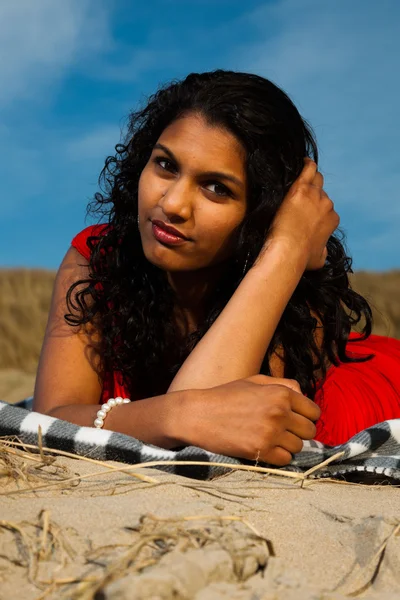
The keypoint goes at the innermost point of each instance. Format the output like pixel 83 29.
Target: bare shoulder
pixel 68 366
pixel 74 268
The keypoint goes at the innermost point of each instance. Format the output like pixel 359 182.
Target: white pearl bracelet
pixel 105 409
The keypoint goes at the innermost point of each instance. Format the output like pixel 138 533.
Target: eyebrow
pixel 218 174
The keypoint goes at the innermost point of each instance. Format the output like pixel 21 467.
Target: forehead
pixel 206 146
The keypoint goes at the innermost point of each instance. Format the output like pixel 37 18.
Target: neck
pixel 192 289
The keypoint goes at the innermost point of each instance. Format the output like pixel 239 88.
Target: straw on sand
pixel 6 443
pixel 36 542
pixel 154 538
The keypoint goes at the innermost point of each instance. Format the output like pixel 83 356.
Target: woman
pixel 215 295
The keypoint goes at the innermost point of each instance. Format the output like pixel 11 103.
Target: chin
pixel 166 259
pixel 159 259
pixel 171 266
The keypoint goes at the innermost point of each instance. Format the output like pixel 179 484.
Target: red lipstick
pixel 167 234
pixel 169 229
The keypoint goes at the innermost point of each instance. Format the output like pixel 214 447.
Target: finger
pixel 300 426
pixel 309 170
pixel 290 442
pixel 331 205
pixel 333 222
pixel 335 219
pixel 290 383
pixel 268 380
pixel 304 406
pixel 318 180
pixel 260 379
pixel 277 456
pixel 325 196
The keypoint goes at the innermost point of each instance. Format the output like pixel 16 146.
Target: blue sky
pixel 71 71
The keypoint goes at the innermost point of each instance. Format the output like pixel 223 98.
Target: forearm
pixel 235 345
pixel 152 420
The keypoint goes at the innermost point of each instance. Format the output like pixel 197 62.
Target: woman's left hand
pixel 306 219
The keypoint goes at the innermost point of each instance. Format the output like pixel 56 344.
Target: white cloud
pixel 338 61
pixel 94 144
pixel 40 42
pixel 313 37
pixel 41 39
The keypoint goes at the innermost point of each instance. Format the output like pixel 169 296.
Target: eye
pixel 220 190
pixel 223 190
pixel 160 159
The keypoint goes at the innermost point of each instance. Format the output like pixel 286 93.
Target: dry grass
pixel 24 304
pixel 60 563
pixel 37 542
pixel 231 539
pixel 25 299
pixel 382 290
pixel 15 456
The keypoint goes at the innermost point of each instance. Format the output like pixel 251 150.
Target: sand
pixel 240 537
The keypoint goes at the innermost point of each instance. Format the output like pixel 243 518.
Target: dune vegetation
pixel 25 296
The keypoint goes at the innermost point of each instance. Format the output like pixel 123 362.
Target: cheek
pixel 221 233
pixel 225 222
pixel 147 187
pixel 143 185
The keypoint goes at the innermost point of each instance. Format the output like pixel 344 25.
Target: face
pixel 195 182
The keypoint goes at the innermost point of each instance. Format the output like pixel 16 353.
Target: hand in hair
pixel 260 417
pixel 306 218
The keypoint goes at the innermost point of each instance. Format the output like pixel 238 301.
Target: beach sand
pixel 243 536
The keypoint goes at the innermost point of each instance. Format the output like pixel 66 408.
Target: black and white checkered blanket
pixel 373 455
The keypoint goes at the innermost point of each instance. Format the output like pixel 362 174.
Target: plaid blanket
pixel 371 456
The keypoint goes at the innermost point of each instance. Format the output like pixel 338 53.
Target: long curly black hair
pixel 131 300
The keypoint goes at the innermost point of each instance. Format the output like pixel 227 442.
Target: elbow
pixel 50 412
pixel 53 411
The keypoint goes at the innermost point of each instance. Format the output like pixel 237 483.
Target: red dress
pixel 353 397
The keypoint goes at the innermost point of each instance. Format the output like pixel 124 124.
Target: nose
pixel 176 201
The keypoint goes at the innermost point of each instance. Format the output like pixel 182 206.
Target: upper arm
pixel 67 371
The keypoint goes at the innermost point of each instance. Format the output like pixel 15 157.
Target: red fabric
pixel 354 396
pixel 357 395
pixel 112 384
pixel 80 240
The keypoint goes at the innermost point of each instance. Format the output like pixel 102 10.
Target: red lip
pixel 169 229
